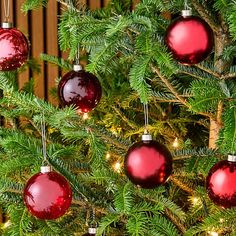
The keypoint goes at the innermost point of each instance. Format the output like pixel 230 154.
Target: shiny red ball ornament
pixel 221 183
pixel 14 48
pixel 80 89
pixel 189 38
pixel 47 194
pixel 148 163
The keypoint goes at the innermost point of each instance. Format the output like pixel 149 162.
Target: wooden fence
pixel 40 26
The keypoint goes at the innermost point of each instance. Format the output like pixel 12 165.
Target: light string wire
pixel 6 5
pixel 145 108
pixel 43 132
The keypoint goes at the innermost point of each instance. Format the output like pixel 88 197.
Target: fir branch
pixel 124 118
pixel 175 221
pixel 181 185
pixel 205 15
pixel 208 70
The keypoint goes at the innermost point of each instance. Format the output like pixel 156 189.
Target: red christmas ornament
pixel 189 38
pixel 14 48
pixel 81 89
pixel 148 163
pixel 47 194
pixel 221 183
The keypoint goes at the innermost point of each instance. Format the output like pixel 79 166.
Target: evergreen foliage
pixel 126 51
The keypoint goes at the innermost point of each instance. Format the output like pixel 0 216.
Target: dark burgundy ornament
pixel 80 89
pixel 189 38
pixel 148 163
pixel 221 183
pixel 14 48
pixel 91 232
pixel 47 194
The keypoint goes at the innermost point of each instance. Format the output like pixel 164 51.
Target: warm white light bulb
pixel 176 143
pixel 108 155
pixel 213 233
pixel 117 166
pixel 85 116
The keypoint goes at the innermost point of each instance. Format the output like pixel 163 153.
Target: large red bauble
pixel 221 184
pixel 47 195
pixel 190 39
pixel 148 164
pixel 81 89
pixel 14 49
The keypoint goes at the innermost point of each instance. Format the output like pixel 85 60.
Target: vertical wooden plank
pixel 94 4
pixel 37 45
pixel 106 2
pixel 22 25
pixel 52 46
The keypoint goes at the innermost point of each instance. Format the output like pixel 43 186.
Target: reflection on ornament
pixel 175 143
pixel 190 39
pixel 14 48
pixel 47 194
pixel 148 163
pixel 221 184
pixel 80 89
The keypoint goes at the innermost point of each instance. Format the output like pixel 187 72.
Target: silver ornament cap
pixel 45 169
pixel 77 67
pixel 146 137
pixel 232 158
pixel 186 13
pixel 92 230
pixel 6 25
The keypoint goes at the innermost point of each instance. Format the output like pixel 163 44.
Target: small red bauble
pixel 148 163
pixel 47 195
pixel 14 49
pixel 190 39
pixel 221 183
pixel 81 89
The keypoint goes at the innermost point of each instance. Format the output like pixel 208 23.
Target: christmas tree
pixel 149 86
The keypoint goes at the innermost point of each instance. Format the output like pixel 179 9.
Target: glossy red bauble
pixel 221 184
pixel 14 49
pixel 190 39
pixel 80 89
pixel 148 164
pixel 47 195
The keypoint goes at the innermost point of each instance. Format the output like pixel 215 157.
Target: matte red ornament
pixel 14 49
pixel 190 39
pixel 81 89
pixel 221 183
pixel 47 195
pixel 148 164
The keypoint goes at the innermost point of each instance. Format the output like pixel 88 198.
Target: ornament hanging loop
pixel 187 9
pixel 44 145
pixel 6 5
pixel 77 66
pixel 145 109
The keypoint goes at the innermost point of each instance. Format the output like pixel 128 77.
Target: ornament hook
pixel 145 108
pixel 43 134
pixel 6 5
pixel 77 66
pixel 187 9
